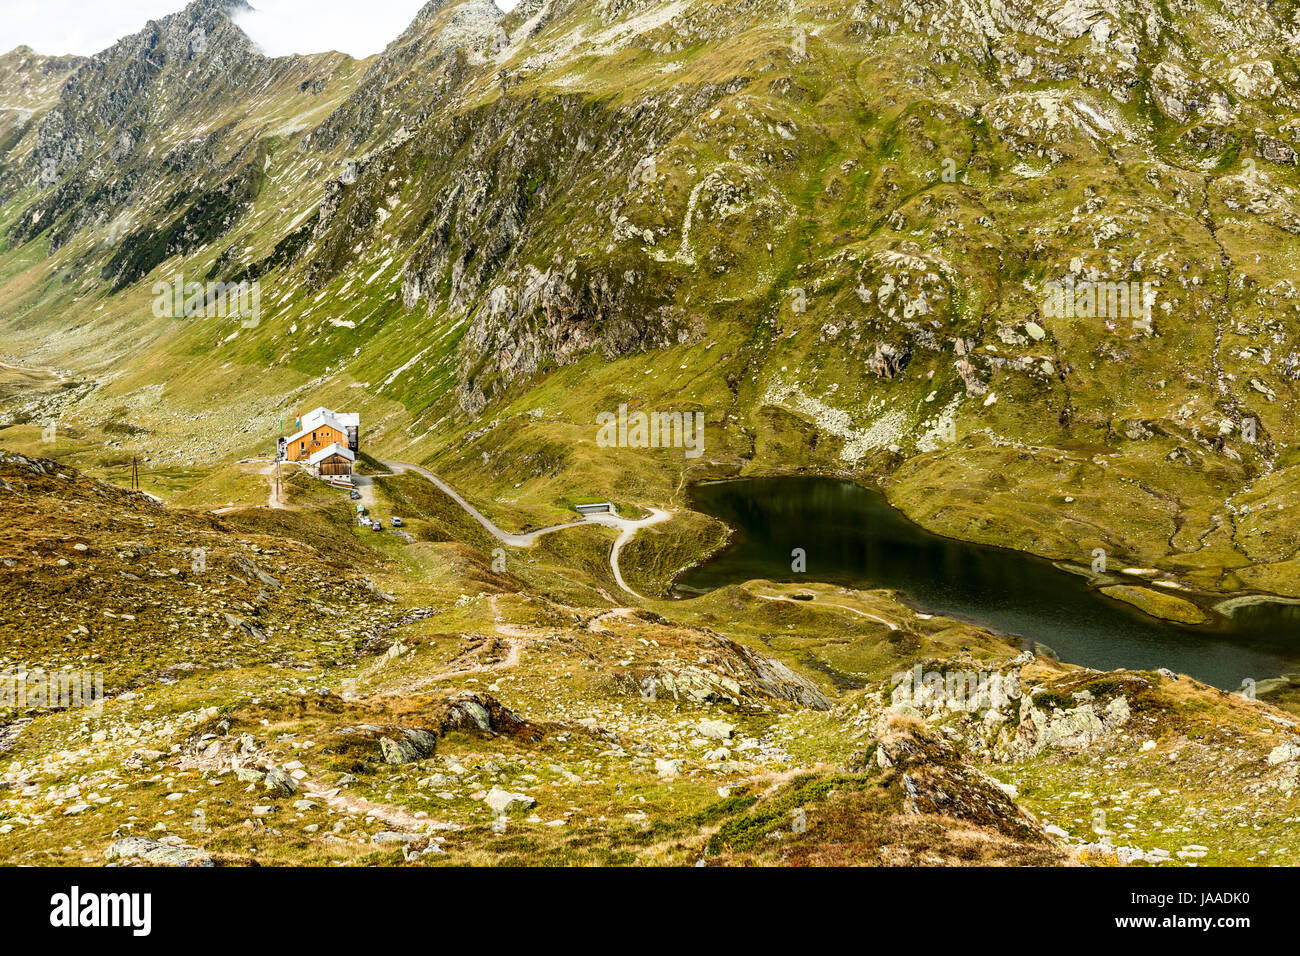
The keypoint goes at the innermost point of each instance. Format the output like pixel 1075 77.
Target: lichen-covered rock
pixel 503 801
pixel 1076 727
pixel 936 780
pixel 156 852
pixel 1285 752
pixel 279 783
pixel 407 745
pixel 392 743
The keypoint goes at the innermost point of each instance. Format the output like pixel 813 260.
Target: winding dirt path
pixel 629 530
pixel 336 797
pixel 275 495
pixel 626 527
pixel 273 500
pixel 843 607
pixel 514 638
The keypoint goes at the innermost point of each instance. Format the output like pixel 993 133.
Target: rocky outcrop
pixel 1065 727
pixel 935 780
pixel 156 852
pixel 391 743
pixel 733 674
pixel 472 712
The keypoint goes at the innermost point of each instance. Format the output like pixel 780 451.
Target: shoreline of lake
pixel 1012 593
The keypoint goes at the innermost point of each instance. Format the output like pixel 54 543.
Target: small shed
pixel 333 460
pixel 599 508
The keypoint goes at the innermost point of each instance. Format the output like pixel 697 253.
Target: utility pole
pixel 135 474
pixel 278 446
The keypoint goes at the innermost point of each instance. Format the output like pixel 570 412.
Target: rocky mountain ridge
pixel 877 196
pixel 1028 267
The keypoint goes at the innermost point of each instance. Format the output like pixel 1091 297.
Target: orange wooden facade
pixel 322 436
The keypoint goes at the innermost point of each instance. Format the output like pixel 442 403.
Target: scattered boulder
pixel 735 673
pixel 1071 728
pixel 1284 752
pixel 279 783
pixel 716 729
pixel 503 801
pixel 667 768
pixel 251 571
pixel 153 851
pixel 248 630
pixel 395 744
pixel 409 745
pixel 479 713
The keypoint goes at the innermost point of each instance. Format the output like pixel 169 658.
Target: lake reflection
pixel 853 537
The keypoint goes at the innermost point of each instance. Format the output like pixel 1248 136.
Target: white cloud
pixel 356 27
pixel 75 26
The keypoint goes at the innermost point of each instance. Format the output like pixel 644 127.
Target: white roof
pixel 326 452
pixel 325 416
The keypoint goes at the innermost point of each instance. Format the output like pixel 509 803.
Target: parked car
pixel 376 526
pixel 354 495
pixel 397 522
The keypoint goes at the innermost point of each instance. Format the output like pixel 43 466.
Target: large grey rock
pixel 250 570
pixel 409 745
pixel 1075 728
pixel 1284 752
pixel 152 851
pixel 248 630
pixel 472 711
pixel 667 768
pixel 280 783
pixel 503 801
pixel 716 729
pixel 397 744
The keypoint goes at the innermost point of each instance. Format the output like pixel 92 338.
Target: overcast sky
pixel 280 27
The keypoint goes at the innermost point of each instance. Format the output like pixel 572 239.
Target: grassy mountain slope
pixel 830 229
pixel 281 687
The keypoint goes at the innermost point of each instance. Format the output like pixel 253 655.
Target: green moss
pixel 1053 700
pixel 746 830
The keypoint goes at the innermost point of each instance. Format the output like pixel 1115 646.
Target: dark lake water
pixel 853 537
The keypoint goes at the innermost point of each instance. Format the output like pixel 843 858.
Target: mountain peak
pixel 222 7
